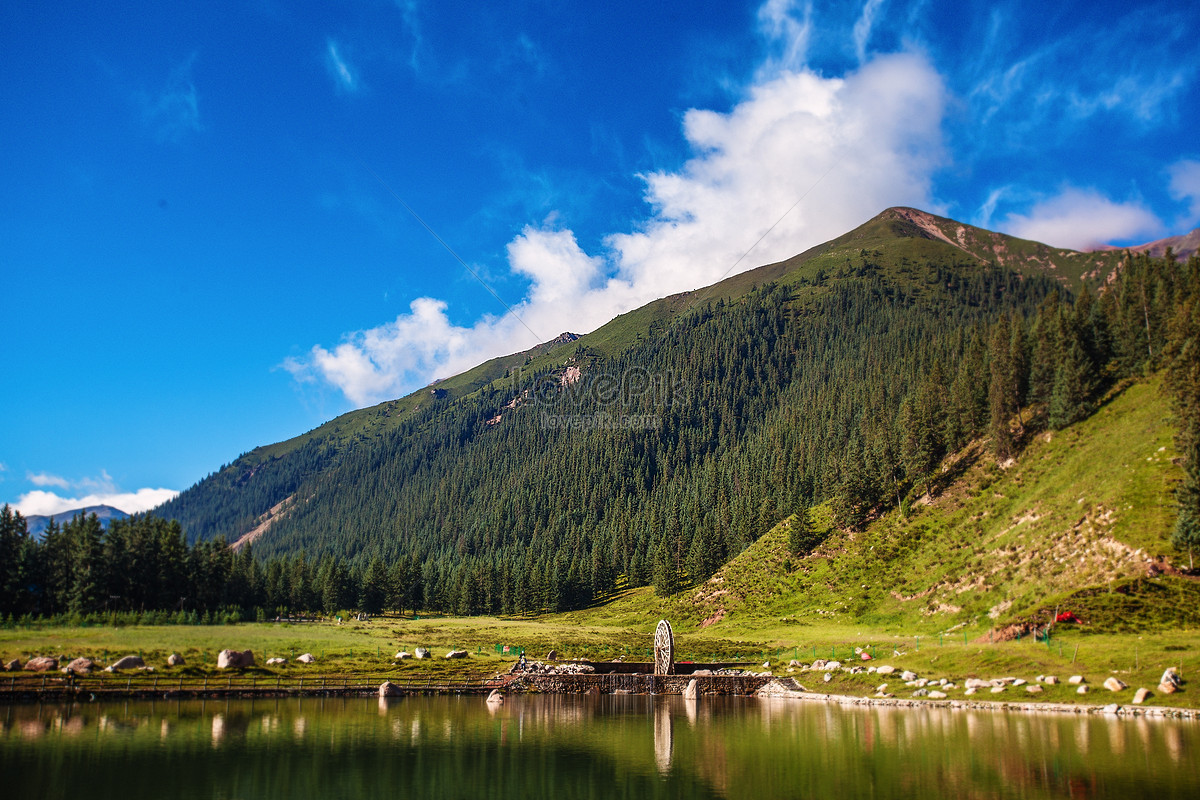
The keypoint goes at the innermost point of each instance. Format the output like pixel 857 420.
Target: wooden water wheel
pixel 664 649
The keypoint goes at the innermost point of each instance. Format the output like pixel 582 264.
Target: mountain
pixel 106 514
pixel 1183 247
pixel 666 442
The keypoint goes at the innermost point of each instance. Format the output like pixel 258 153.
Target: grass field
pixel 367 648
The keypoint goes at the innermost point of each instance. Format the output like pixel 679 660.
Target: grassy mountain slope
pixel 918 254
pixel 1079 522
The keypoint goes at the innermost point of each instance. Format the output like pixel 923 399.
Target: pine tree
pixel 1183 380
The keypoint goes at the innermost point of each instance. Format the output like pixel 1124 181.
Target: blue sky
pixel 205 232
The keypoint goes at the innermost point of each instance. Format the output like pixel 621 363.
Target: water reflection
pixel 608 746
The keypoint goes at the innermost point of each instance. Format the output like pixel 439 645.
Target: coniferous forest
pixel 848 386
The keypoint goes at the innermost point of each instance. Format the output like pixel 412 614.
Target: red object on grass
pixel 1067 616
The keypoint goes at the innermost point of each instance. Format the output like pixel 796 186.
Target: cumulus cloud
pixel 1083 218
pixel 1185 187
pixel 802 158
pixel 343 75
pixel 39 502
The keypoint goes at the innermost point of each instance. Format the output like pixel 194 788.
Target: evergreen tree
pixel 1183 380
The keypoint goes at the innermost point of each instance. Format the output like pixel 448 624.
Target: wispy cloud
pixel 875 132
pixel 46 479
pixel 344 76
pixel 862 28
pixel 1185 187
pixel 786 25
pixel 1083 218
pixel 173 113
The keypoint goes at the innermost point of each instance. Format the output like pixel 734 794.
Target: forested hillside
pixel 658 447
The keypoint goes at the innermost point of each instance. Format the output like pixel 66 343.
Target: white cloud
pixel 46 479
pixel 862 28
pixel 1083 218
pixel 339 68
pixel 858 144
pixel 46 503
pixel 787 26
pixel 1185 186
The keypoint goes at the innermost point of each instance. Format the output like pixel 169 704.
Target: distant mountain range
pixel 106 514
pixel 1183 246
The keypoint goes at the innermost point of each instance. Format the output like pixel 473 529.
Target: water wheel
pixel 664 649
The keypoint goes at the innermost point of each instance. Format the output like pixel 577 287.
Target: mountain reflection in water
pixel 595 747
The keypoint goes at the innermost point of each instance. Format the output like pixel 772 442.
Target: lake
pixel 583 747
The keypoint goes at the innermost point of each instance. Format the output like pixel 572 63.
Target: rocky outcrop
pixel 81 665
pixel 306 658
pixel 422 652
pixel 175 660
pixel 402 655
pixel 128 662
pixel 277 661
pixel 1114 684
pixel 495 698
pixel 13 666
pixel 457 654
pixel 41 664
pixel 692 690
pixel 1141 696
pixel 389 689
pixel 235 659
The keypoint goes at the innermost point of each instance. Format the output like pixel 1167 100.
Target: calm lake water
pixel 582 747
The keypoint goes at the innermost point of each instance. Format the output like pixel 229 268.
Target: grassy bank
pixel 367 648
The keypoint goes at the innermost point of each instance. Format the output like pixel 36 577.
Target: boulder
pixel 692 690
pixel 421 652
pixel 277 660
pixel 936 695
pixel 881 688
pixel 766 665
pixel 907 675
pixel 1075 680
pixel 402 655
pixel 970 690
pixel 128 662
pixel 175 660
pixel 1141 696
pixel 885 670
pixel 1171 675
pixel 389 689
pixel 1114 684
pixel 1035 689
pixel 457 654
pixel 1111 708
pixel 795 663
pixel 497 698
pixel 1166 688
pixel 83 665
pixel 818 665
pixel 41 664
pixel 234 659
pixel 306 658
pixel 832 665
pixel 1019 682
pixel 920 693
pixel 998 689
pixel 1050 680
pixel 552 655
pixel 977 683
pixel 13 666
pixel 1083 689
pixel 828 677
